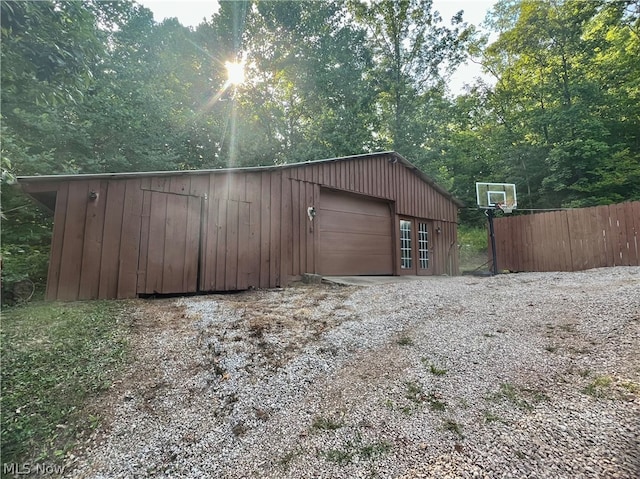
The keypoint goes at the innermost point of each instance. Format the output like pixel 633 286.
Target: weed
pixel 406 410
pixel 55 358
pixel 355 448
pixel 433 369
pixel 598 387
pixel 339 456
pixel 631 387
pixel 434 403
pixel 286 460
pixel 375 449
pixel 491 417
pixel 510 393
pixel 452 426
pixel 405 341
pixel 326 424
pixel 414 392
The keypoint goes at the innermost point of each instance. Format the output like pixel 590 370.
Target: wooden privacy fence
pixel 570 240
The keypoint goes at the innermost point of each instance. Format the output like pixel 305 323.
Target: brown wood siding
pixel 57 239
pixel 570 240
pixel 252 227
pixel 384 178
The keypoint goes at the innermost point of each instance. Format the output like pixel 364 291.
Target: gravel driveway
pixel 521 375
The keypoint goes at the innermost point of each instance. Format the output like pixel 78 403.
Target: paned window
pixel 423 245
pixel 405 244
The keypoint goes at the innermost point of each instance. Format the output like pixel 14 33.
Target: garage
pixel 355 235
pixel 130 234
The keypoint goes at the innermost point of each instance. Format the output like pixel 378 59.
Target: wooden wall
pixel 570 240
pixel 252 232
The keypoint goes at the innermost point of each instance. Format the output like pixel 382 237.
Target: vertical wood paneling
pixel 308 230
pixel 244 267
pixel 237 186
pixel 274 256
pixel 265 230
pixel 199 187
pixel 57 240
pixel 633 218
pixel 296 215
pixel 223 223
pixel 571 240
pixel 211 245
pixel 232 225
pixel 604 232
pixel 144 242
pixel 192 247
pixel 71 264
pixel 179 184
pixel 130 240
pixel 254 187
pixel 111 239
pixel 285 229
pixel 623 239
pixel 92 243
pixel 156 246
pixel 175 243
pixel 160 183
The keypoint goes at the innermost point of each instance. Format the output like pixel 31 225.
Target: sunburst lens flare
pixel 235 73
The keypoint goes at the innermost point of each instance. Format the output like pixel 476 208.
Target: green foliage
pixel 473 239
pixel 357 449
pixel 54 358
pixel 26 236
pixel 326 423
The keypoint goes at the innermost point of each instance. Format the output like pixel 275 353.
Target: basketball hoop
pixel 506 208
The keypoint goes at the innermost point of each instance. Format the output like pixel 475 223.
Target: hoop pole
pixel 494 261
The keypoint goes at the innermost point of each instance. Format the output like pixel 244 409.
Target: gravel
pixel 519 375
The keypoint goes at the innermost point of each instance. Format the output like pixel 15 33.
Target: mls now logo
pixel 28 468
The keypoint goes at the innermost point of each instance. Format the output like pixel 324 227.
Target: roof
pixel 92 176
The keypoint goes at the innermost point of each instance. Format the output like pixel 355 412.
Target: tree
pixel 565 117
pixel 412 51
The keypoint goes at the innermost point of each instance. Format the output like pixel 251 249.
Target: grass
pixel 599 387
pixel 405 341
pixel 286 460
pixel 56 357
pixel 491 417
pixel 522 397
pixel 326 424
pixel 433 369
pixel 452 426
pixel 355 448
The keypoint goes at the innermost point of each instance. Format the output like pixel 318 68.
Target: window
pixel 423 245
pixel 405 244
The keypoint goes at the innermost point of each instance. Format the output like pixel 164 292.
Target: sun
pixel 235 73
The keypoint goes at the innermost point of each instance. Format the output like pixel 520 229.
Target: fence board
pixel 570 240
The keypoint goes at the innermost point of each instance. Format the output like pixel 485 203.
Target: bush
pixel 473 243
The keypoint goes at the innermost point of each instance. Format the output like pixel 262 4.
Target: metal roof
pixel 91 176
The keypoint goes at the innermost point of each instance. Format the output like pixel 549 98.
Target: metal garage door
pixel 355 235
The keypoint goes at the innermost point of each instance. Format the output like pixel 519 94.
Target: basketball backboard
pixel 496 196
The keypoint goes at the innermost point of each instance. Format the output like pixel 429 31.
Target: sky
pixel 191 12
